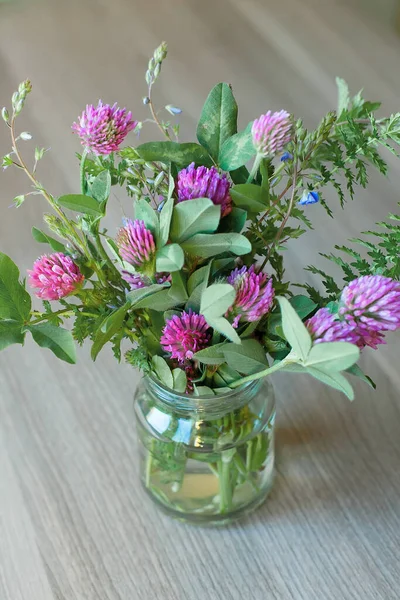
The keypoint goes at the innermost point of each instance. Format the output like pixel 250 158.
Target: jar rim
pixel 203 402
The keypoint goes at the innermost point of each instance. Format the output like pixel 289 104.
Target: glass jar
pixel 206 458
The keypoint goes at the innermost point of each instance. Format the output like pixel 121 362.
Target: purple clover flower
pixel 103 128
pixel 136 243
pixel 137 280
pixel 271 133
pixel 184 335
pixel 326 327
pixel 254 294
pixel 372 303
pixel 55 276
pixel 201 182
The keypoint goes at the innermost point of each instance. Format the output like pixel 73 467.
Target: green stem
pixel 249 455
pixel 225 484
pixel 62 312
pixel 254 169
pixel 104 254
pixel 260 374
pixel 82 172
pixel 244 469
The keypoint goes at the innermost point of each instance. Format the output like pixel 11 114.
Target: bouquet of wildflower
pixel 193 282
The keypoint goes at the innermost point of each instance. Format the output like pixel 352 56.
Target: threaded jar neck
pixel 210 405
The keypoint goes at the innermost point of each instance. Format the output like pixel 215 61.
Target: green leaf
pixel 217 299
pixel 222 264
pixel 146 213
pixel 206 245
pixel 180 380
pixel 108 329
pixel 240 175
pixel 259 451
pixel 194 216
pixel 218 119
pixel 100 188
pixel 162 370
pixel 223 326
pixel 343 95
pixel 81 204
pixel 200 276
pixel 203 390
pixel 303 305
pixel 227 374
pixel 114 249
pixel 136 296
pixel 165 222
pixel 250 197
pixel 357 372
pixel 295 331
pixel 333 356
pixel 212 355
pixel 165 299
pixel 57 339
pixel 180 154
pixel 235 221
pixel 43 238
pixel 169 258
pixel 10 333
pixel 160 301
pixel 335 380
pixel 15 302
pixel 237 150
pixel 247 358
pixel 178 287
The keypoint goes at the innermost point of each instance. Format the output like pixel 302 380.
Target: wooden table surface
pixel 74 522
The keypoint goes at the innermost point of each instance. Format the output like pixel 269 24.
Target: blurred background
pixel 78 420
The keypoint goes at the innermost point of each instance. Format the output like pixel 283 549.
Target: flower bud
pixel 54 224
pixel 146 100
pixel 7 161
pixel 5 114
pixel 25 135
pixel 160 53
pixel 18 200
pixel 158 179
pixel 149 77
pixel 173 110
pixel 18 107
pixel 157 70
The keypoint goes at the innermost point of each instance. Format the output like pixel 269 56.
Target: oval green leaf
pixel 199 215
pixel 217 299
pixel 169 258
pixel 15 302
pixel 294 330
pixel 218 119
pixel 56 339
pixel 333 356
pixel 81 204
pixel 237 150
pixel 172 152
pixel 206 245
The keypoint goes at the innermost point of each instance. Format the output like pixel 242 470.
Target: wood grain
pixel 74 523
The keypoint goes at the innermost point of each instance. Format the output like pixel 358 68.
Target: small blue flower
pixel 309 197
pixel 173 110
pixel 286 156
